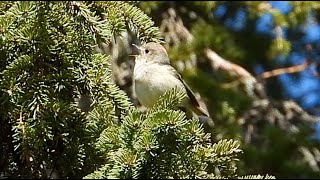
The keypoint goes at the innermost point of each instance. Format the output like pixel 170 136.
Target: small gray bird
pixel 153 75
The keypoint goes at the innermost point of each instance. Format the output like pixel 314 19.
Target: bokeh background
pixel 254 66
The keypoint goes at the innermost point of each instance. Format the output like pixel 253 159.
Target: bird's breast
pixel 151 81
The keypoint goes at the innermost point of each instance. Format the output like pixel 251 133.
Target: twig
pixel 218 62
pixel 252 86
pixel 292 69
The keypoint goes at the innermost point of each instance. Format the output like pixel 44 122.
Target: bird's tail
pixel 199 111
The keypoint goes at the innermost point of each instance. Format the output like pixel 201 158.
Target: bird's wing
pixel 190 94
pixel 195 106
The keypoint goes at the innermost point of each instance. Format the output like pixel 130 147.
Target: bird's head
pixel 153 52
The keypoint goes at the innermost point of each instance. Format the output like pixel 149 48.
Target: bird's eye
pixel 146 51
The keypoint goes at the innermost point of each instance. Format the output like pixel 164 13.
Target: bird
pixel 153 75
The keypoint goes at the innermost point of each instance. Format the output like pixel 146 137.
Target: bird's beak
pixel 134 55
pixel 139 48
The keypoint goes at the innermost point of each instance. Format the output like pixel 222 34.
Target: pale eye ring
pixel 146 51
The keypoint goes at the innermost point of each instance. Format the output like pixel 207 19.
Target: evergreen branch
pixel 224 153
pixel 115 20
pixel 99 28
pixel 125 161
pixel 195 134
pixel 119 98
pixel 133 119
pixel 166 119
pixel 100 173
pixel 169 100
pixel 99 79
pixel 4 6
pixel 101 117
pixel 139 22
pixel 16 67
pixel 136 20
pixel 12 23
pixel 109 139
pixel 47 55
pixel 146 142
pixel 226 147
